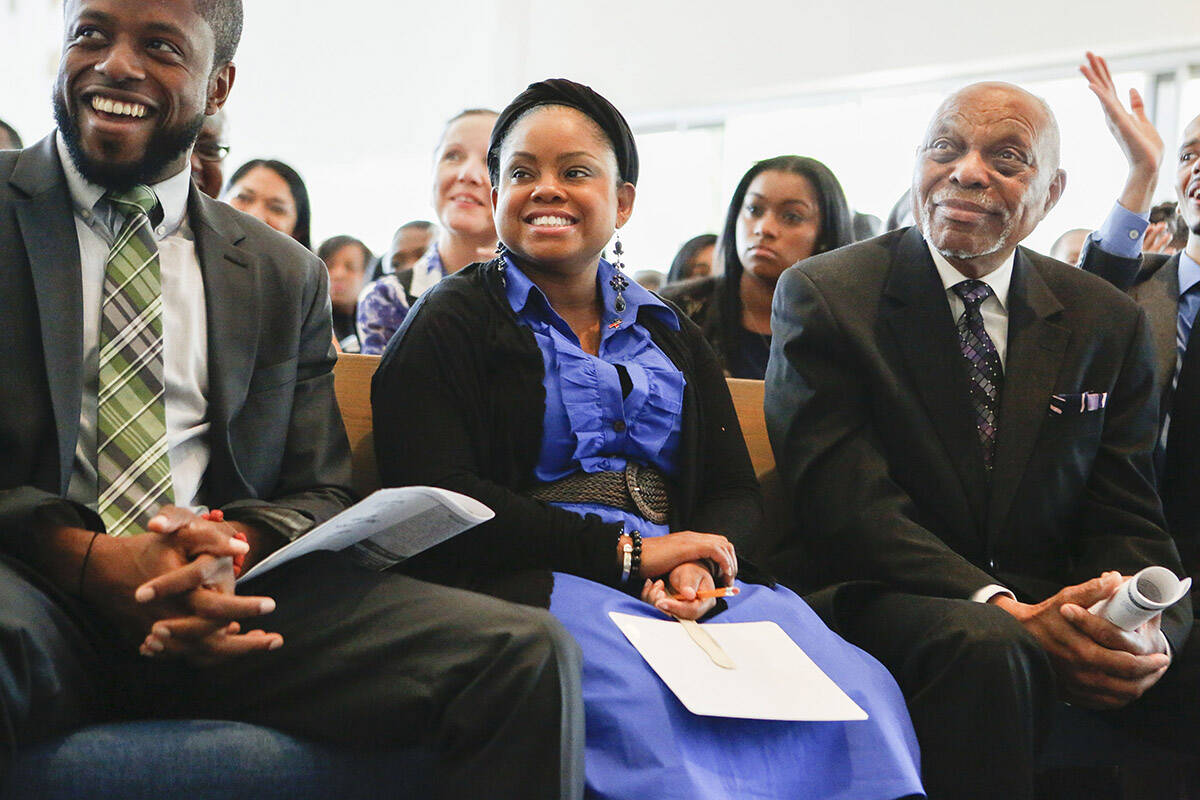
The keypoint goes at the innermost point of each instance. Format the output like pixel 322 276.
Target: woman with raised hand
pixel 783 210
pixel 595 421
pixel 461 200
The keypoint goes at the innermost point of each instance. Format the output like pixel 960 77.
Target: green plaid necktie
pixel 133 471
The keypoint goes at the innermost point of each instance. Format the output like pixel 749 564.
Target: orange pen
pixel 217 515
pixel 724 591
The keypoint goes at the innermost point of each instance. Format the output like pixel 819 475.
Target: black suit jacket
pixel 276 438
pixel 1153 281
pixel 868 412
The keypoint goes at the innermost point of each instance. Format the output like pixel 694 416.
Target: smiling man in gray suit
pixel 965 430
pixel 163 353
pixel 1168 289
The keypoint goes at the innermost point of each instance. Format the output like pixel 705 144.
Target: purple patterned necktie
pixel 983 364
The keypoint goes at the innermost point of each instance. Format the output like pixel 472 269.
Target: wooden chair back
pixel 352 385
pixel 748 401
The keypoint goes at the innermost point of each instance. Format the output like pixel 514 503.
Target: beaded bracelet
pixel 631 559
pixel 635 567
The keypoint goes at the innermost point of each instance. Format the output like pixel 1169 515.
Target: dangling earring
pixel 619 282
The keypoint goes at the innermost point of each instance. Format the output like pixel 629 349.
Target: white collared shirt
pixel 994 309
pixel 185 330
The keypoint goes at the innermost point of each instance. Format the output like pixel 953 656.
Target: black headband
pixel 562 92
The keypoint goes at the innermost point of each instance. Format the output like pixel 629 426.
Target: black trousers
pixel 369 660
pixel 982 692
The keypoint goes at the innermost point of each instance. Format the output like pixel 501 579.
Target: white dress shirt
pixel 185 330
pixel 994 311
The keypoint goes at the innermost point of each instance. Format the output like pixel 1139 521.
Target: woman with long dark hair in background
pixel 694 259
pixel 274 193
pixel 784 209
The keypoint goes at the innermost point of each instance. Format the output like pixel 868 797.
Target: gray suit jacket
pixel 1153 281
pixel 868 412
pixel 276 439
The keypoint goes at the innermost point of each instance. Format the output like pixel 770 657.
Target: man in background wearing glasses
pixel 209 153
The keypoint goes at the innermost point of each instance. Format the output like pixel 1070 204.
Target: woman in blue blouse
pixel 590 415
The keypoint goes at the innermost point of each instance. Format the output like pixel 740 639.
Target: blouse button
pixel 619 426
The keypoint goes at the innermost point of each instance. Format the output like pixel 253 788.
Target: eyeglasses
pixel 211 151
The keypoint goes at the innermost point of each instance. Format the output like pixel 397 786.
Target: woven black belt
pixel 639 490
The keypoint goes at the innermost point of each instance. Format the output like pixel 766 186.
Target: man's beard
pixel 988 249
pixel 165 146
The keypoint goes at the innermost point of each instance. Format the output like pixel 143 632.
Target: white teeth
pixel 123 109
pixel 554 222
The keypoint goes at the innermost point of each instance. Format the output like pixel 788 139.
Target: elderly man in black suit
pixel 164 353
pixel 965 428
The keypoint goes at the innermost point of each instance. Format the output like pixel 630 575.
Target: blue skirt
pixel 642 742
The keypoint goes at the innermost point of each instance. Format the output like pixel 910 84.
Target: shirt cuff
pixel 988 592
pixel 1121 234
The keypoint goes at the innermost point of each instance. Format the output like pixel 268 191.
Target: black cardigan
pixel 458 402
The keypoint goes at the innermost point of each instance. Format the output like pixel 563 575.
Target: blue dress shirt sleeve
pixel 1121 234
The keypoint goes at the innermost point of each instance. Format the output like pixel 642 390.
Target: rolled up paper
pixel 1141 597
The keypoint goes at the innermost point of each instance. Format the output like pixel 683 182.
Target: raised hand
pixel 1134 132
pixel 1098 665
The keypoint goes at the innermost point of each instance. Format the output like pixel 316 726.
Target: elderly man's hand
pixel 1098 665
pixel 1134 132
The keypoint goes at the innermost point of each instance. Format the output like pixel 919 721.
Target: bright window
pixel 1096 168
pixel 870 143
pixel 679 195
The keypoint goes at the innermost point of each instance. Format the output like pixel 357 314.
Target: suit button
pixel 992 564
pixel 619 426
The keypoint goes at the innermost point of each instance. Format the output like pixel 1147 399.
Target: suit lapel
pixel 1035 351
pixel 921 326
pixel 47 223
pixel 231 304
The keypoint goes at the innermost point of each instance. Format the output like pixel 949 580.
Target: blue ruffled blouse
pixel 641 741
pixel 593 422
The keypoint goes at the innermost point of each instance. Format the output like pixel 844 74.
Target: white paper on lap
pixel 397 523
pixel 773 678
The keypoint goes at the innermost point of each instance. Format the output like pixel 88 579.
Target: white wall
pixel 653 54
pixel 353 92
